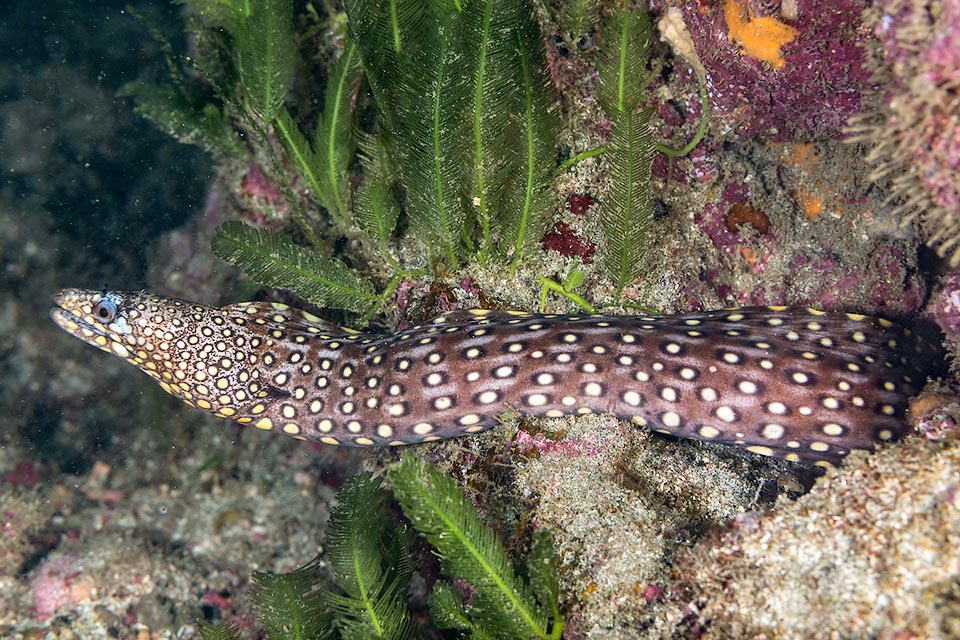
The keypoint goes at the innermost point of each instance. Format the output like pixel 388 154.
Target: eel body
pixel 796 383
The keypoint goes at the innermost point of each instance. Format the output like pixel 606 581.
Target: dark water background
pixel 85 185
pixel 72 152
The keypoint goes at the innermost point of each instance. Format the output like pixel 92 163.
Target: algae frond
pixel 450 107
pixel 370 557
pixel 627 214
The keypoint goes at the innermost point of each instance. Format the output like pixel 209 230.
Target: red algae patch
pixel 792 71
pixel 565 241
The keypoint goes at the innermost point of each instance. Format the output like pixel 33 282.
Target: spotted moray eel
pixel 795 383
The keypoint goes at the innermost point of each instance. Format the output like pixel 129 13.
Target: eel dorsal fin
pixel 289 319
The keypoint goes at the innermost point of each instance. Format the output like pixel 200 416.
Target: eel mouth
pixel 69 322
pixel 65 318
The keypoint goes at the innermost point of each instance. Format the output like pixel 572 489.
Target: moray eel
pixel 795 383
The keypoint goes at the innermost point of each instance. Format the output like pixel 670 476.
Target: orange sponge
pixel 759 38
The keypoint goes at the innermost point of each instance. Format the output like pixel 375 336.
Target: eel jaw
pixel 65 315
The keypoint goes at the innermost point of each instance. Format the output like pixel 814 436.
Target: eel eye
pixel 105 311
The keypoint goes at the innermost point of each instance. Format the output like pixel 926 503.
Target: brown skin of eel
pixel 795 383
